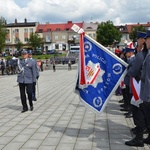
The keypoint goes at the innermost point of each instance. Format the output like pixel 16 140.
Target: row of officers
pixel 136 88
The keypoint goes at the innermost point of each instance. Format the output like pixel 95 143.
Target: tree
pixel 107 33
pixel 19 44
pixel 35 41
pixel 3 33
pixel 133 34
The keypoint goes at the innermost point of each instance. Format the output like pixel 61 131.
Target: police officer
pixel 37 75
pixel 26 77
pixel 145 88
pixel 135 71
pixel 128 95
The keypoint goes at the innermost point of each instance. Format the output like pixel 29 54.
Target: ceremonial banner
pixel 99 73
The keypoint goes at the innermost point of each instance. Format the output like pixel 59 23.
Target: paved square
pixel 59 120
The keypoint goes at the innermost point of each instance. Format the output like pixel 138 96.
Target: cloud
pixel 54 11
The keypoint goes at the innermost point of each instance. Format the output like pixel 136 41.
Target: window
pixel 17 39
pixel 56 37
pixel 63 37
pixel 16 30
pixel 56 46
pixel 94 35
pixel 26 30
pixel 26 39
pixel 64 47
pixel 90 34
pixel 31 30
pixel 7 40
pixel 47 38
pixel 7 31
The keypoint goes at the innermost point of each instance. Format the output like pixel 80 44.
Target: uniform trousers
pixel 26 88
pixel 127 96
pixel 34 91
pixel 139 118
pixel 145 106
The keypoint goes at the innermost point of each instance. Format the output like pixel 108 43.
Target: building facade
pixel 19 32
pixel 58 36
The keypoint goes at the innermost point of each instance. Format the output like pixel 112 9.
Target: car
pixel 53 51
pixel 50 51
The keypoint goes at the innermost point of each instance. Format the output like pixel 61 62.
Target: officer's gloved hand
pixel 37 77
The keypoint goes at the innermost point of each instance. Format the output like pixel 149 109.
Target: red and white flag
pixel 136 91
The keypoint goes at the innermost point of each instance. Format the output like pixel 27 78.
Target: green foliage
pixel 133 34
pixel 19 45
pixel 35 41
pixel 3 33
pixel 46 56
pixel 107 33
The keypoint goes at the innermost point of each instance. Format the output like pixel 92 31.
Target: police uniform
pixel 128 94
pixel 145 92
pixel 26 77
pixel 138 115
pixel 37 76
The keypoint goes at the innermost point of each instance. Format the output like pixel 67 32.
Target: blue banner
pixel 102 71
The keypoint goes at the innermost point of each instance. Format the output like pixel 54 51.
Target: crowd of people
pixel 135 88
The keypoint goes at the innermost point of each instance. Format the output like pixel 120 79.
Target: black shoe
pixel 31 108
pixel 128 115
pixel 121 101
pixel 35 99
pixel 147 140
pixel 135 142
pixel 24 110
pixel 122 105
pixel 124 109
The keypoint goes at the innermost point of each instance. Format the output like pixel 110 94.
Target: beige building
pixel 19 32
pixel 90 29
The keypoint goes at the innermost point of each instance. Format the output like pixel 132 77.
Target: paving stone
pixel 59 120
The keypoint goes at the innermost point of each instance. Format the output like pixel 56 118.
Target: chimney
pixel 25 20
pixel 15 20
pixel 69 21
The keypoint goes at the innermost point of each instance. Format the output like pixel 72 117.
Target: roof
pixel 90 26
pixel 130 26
pixel 21 24
pixel 122 28
pixel 57 27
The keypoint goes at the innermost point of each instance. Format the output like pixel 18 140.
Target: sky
pixel 61 11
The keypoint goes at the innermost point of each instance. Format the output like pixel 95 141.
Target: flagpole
pixel 82 61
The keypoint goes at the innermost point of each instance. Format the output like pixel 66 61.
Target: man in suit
pixel 37 75
pixel 26 77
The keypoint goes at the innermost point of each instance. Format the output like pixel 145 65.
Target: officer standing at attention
pixel 135 72
pixel 145 88
pixel 37 75
pixel 26 77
